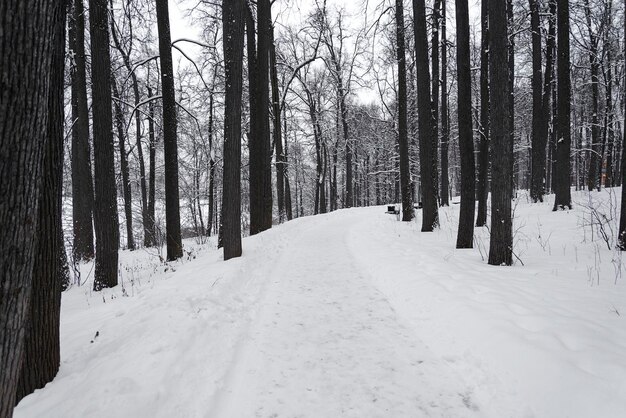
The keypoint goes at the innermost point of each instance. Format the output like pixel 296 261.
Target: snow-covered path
pixel 352 314
pixel 327 343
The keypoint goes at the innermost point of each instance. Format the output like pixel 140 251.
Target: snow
pixel 356 314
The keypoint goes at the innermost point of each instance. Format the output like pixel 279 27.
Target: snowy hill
pixel 356 314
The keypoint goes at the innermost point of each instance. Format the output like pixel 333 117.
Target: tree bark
pixel 501 239
pixel 82 182
pixel 592 176
pixel 539 140
pixel 281 157
pixel 149 228
pixel 233 27
pixel 435 89
pixel 41 357
pixel 561 175
pixel 172 201
pixel 483 158
pixel 430 216
pixel 105 209
pixel 260 146
pixel 403 139
pixel 445 123
pixel 465 235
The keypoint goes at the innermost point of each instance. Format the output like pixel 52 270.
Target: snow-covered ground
pixel 356 314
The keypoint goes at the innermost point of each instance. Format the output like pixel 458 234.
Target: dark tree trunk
pixel 592 175
pixel 610 121
pixel 511 63
pixel 260 146
pixel 435 90
pixel 430 217
pixel 403 139
pixel 561 175
pixel 483 157
pixel 281 157
pixel 212 165
pixel 149 228
pixel 82 183
pixel 138 144
pixel 445 123
pixel 105 208
pixel 233 27
pixel 126 190
pixel 501 239
pixel 465 235
pixel 288 207
pixel 41 357
pixel 539 139
pixel 172 202
pixel 27 49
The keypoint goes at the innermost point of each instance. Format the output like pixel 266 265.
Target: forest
pixel 146 128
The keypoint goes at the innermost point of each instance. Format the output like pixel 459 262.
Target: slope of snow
pixel 356 314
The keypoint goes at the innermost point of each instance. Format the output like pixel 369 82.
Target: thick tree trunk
pixel 430 216
pixel 82 183
pixel 121 138
pixel 26 52
pixel 233 27
pixel 445 123
pixel 172 202
pixel 483 157
pixel 539 140
pixel 465 235
pixel 563 196
pixel 41 358
pixel 501 239
pixel 260 146
pixel 105 208
pixel 435 89
pixel 592 176
pixel 281 157
pixel 403 139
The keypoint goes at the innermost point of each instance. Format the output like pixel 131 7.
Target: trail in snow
pixel 327 344
pixel 353 314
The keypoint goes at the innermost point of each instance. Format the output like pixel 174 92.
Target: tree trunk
pixel 149 228
pixel 538 161
pixel 403 139
pixel 121 138
pixel 233 27
pixel 41 358
pixel 563 196
pixel 211 170
pixel 511 104
pixel 445 124
pixel 430 216
pixel 82 183
pixel 281 157
pixel 105 208
pixel 465 235
pixel 27 48
pixel 172 202
pixel 595 127
pixel 483 159
pixel 260 146
pixel 501 239
pixel 435 90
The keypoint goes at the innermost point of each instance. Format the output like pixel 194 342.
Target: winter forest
pixel 312 208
